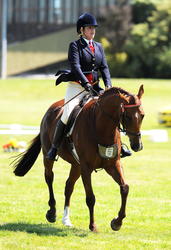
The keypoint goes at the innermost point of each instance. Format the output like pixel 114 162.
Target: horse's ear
pixel 141 91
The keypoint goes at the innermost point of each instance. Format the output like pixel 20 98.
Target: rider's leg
pixel 57 139
pixel 125 151
pixel 72 90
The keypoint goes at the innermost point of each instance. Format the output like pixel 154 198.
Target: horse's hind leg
pixel 117 175
pixel 49 176
pixel 69 187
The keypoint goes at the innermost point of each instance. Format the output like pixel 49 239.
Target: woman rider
pixel 86 58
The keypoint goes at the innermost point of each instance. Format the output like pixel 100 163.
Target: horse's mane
pixel 119 92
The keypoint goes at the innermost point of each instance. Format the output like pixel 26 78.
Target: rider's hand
pixel 88 87
pixel 107 87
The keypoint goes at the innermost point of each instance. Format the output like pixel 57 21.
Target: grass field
pixel 23 201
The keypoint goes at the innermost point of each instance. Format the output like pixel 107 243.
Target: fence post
pixel 3 38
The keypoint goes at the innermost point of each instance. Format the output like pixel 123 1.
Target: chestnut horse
pixel 96 137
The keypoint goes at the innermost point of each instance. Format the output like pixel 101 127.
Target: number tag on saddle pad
pixel 109 151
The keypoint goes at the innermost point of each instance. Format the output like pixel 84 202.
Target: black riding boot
pixel 57 139
pixel 125 151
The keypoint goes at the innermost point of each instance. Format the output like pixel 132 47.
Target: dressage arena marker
pixel 156 135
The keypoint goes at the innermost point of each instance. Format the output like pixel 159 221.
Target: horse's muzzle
pixel 136 146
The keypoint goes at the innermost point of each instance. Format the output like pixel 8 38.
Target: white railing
pixel 155 135
pixel 18 129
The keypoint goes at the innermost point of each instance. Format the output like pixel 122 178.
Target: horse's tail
pixel 24 161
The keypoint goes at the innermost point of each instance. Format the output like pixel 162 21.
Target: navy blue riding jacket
pixel 83 61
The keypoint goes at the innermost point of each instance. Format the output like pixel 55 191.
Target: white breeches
pixel 72 90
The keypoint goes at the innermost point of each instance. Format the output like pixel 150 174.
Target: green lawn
pixel 24 200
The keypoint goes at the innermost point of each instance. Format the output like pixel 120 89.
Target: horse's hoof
pixel 115 225
pixel 67 222
pixel 50 216
pixel 93 228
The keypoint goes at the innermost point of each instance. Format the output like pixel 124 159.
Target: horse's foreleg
pixel 90 197
pixel 117 175
pixel 49 176
pixel 116 223
pixel 69 187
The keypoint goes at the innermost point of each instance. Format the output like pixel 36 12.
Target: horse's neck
pixel 107 121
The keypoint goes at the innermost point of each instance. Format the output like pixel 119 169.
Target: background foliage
pixel 137 39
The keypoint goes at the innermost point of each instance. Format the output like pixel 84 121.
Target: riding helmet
pixel 84 20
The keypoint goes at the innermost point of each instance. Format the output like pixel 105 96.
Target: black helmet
pixel 84 20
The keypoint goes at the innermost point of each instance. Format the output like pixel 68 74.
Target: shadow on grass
pixel 43 229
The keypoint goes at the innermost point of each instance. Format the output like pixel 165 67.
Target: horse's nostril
pixel 137 147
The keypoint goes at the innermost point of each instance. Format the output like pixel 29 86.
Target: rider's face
pixel 89 32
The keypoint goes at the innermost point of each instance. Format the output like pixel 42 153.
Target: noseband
pixel 123 129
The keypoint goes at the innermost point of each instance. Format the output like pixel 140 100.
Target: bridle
pixel 123 129
pixel 122 118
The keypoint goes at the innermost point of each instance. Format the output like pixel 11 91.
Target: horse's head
pixel 131 118
pixel 118 106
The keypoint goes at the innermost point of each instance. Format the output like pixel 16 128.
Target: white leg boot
pixel 66 220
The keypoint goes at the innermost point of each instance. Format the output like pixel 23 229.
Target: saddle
pixel 70 125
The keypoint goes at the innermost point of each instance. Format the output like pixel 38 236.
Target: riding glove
pixel 88 87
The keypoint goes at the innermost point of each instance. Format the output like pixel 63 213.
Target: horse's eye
pixel 128 118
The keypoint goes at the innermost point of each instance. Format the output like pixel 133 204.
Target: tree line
pixel 137 39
